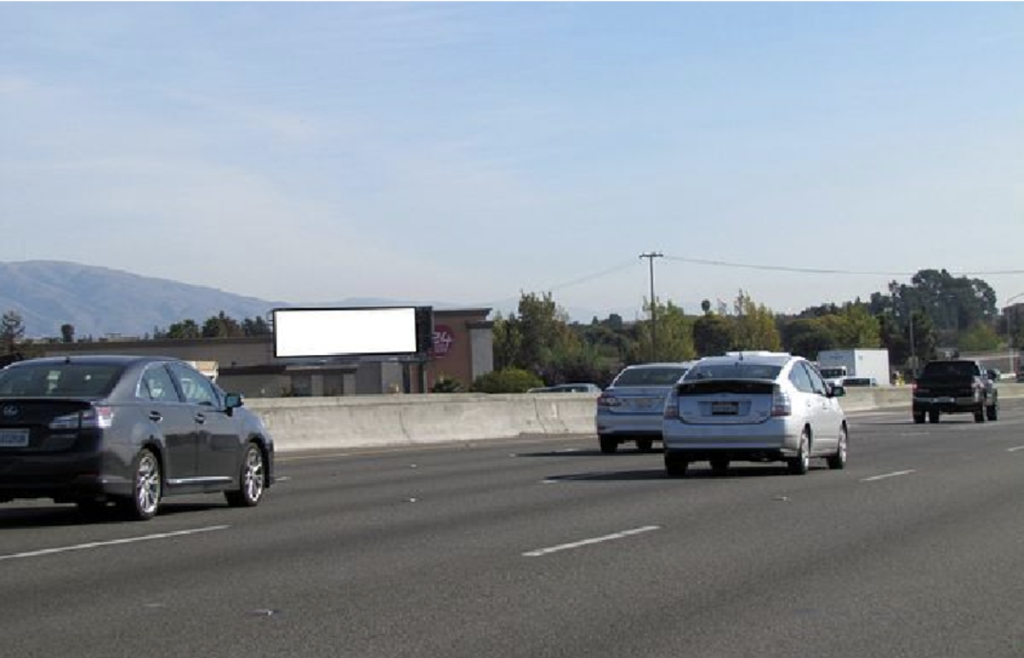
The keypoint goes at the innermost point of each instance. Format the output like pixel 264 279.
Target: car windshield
pixel 58 380
pixel 662 376
pixel 733 371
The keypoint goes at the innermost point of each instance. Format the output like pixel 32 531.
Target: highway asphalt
pixel 544 548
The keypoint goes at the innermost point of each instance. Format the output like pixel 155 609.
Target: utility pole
pixel 654 317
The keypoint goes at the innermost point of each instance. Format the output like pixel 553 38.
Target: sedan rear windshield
pixel 649 376
pixel 733 371
pixel 59 380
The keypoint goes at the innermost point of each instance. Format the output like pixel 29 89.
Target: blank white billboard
pixel 344 332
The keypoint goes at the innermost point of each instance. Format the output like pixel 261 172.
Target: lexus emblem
pixel 10 411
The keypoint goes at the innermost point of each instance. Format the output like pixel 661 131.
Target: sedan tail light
pixel 91 418
pixel 781 404
pixel 671 408
pixel 608 400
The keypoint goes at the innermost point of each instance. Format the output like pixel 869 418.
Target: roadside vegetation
pixel 538 345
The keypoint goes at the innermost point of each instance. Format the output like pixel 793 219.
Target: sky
pixel 467 153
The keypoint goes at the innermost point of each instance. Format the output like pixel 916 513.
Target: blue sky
pixel 469 152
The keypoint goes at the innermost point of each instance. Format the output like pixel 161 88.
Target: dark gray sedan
pixel 92 430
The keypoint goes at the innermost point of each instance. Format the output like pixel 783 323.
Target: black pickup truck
pixel 956 386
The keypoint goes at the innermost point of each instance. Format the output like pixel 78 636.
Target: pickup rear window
pixel 962 369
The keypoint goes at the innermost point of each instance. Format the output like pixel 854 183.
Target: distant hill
pixel 99 301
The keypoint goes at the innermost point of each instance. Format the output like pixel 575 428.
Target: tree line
pixel 936 311
pixel 539 345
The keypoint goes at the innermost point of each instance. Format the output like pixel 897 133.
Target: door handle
pixel 200 418
pixel 155 416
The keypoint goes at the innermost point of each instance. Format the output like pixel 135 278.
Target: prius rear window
pixel 733 371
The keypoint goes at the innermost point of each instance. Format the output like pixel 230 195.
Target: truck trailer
pixel 863 366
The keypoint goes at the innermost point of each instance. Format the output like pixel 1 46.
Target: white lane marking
pixel 887 476
pixel 112 542
pixel 587 542
pixel 1018 448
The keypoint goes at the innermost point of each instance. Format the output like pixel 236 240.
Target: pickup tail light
pixel 781 404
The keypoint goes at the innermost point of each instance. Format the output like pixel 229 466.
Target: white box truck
pixel 855 367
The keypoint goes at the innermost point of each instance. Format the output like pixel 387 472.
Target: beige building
pixel 463 350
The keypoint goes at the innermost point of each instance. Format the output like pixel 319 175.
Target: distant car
pixel 754 406
pixel 567 388
pixel 858 381
pixel 92 430
pixel 630 408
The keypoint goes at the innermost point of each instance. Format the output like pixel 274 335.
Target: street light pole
pixel 654 317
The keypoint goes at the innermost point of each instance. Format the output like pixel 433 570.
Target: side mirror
pixel 232 401
pixel 837 390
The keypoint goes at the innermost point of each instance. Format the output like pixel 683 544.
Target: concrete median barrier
pixel 402 420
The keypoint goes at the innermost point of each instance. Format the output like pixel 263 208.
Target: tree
pixel 754 326
pixel 712 334
pixel 808 336
pixel 184 330
pixel 982 337
pixel 853 326
pixel 674 335
pixel 221 326
pixel 12 330
pixel 256 326
pixel 67 333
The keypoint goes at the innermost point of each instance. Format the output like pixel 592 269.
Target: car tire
pixel 147 487
pixel 645 445
pixel 919 418
pixel 933 417
pixel 675 466
pixel 992 412
pixel 251 480
pixel 719 466
pixel 609 444
pixel 837 462
pixel 800 464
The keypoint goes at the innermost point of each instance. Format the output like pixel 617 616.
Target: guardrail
pixel 396 420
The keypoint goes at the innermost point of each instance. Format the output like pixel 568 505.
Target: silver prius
pixel 754 407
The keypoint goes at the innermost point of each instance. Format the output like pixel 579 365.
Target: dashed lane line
pixel 886 476
pixel 112 542
pixel 589 542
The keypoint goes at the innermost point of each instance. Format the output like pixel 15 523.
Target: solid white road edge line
pixel 112 542
pixel 1017 449
pixel 887 476
pixel 587 542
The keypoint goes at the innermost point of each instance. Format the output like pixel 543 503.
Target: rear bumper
pixel 64 478
pixel 948 405
pixel 775 439
pixel 647 425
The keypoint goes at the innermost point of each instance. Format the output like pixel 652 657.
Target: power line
pixel 812 270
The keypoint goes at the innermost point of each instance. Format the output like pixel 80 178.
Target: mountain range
pixel 101 302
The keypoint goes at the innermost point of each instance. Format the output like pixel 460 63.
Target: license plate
pixel 725 408
pixel 14 438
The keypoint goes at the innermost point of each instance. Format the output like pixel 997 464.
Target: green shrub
pixel 446 384
pixel 509 380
